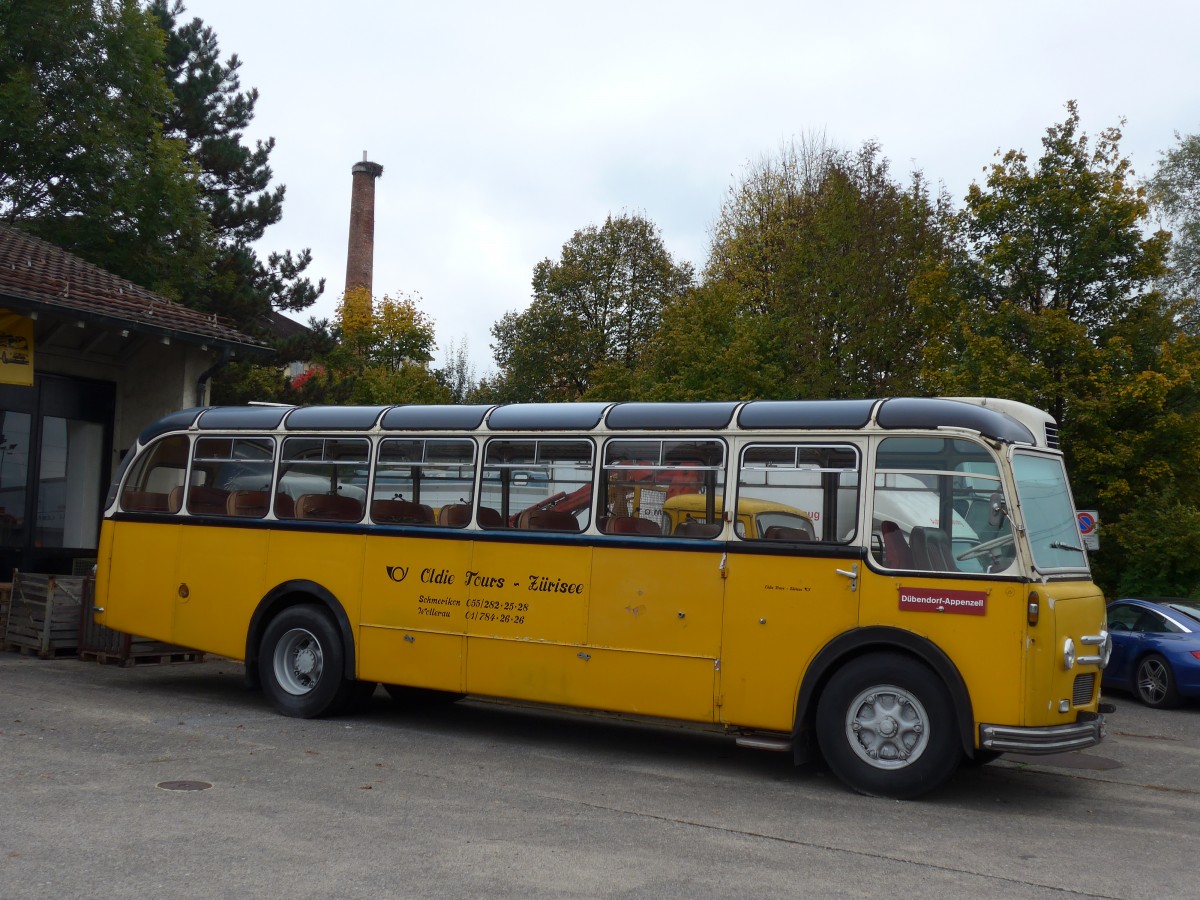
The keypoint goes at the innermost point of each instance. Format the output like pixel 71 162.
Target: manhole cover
pixel 184 785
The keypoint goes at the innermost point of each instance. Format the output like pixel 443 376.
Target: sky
pixel 505 127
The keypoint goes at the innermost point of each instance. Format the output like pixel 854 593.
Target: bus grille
pixel 1051 436
pixel 1081 695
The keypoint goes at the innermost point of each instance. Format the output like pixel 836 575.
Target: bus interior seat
pixel 490 518
pixel 252 504
pixel 454 515
pixel 547 520
pixel 285 506
pixel 692 528
pixel 931 550
pixel 328 508
pixel 207 501
pixel 145 501
pixel 175 499
pixel 895 547
pixel 405 512
pixel 786 533
pixel 632 525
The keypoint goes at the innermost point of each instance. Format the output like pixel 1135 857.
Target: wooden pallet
pixel 143 657
pixel 43 615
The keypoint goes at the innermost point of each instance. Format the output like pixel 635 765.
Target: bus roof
pixel 1002 420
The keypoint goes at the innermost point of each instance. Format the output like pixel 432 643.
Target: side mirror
pixel 997 510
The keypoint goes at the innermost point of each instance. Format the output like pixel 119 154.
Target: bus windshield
pixel 1049 513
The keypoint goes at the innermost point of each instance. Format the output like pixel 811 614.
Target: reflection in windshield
pixel 1049 513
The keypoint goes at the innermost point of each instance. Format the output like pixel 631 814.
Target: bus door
pixel 143 581
pixel 791 582
pixel 654 623
pixel 220 566
pixel 943 561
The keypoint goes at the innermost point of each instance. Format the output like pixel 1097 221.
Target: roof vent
pixel 1052 435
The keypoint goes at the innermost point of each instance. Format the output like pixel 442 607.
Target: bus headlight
pixel 1068 654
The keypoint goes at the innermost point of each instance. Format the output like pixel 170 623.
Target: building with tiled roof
pixel 86 360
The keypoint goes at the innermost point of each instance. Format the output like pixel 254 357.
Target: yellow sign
pixel 16 349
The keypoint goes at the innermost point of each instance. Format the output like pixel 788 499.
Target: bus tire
pixel 302 663
pixel 886 727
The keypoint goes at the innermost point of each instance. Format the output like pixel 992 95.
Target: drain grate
pixel 184 785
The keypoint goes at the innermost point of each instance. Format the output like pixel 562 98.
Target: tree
pixel 1051 300
pixel 598 305
pixel 822 250
pixel 1175 190
pixel 210 113
pixel 86 162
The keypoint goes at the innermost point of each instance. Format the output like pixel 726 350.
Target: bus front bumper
pixel 1086 731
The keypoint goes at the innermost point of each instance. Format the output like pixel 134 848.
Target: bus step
pixel 780 743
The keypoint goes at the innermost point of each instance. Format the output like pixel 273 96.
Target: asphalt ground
pixel 175 781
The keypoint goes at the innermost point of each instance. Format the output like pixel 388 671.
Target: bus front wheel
pixel 302 663
pixel 886 727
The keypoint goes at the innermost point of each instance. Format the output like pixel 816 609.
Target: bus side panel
pixel 658 601
pixel 331 559
pixel 780 610
pixel 979 625
pixel 638 683
pixel 221 579
pixel 527 591
pixel 139 587
pixel 421 659
pixel 414 611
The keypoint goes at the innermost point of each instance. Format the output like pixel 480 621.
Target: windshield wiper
pixel 1059 545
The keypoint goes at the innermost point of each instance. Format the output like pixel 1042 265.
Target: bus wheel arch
pixel 296 593
pixel 846 648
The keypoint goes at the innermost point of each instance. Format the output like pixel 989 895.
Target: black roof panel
pixel 263 418
pixel 806 414
pixel 546 416
pixel 333 418
pixel 171 422
pixel 928 412
pixel 638 416
pixel 434 418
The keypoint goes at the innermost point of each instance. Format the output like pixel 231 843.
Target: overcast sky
pixel 503 127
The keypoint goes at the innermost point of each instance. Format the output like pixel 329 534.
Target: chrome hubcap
pixel 887 727
pixel 298 661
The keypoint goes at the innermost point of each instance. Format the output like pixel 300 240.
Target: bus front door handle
pixel 852 575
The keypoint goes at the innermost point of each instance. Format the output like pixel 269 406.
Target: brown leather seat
pixel 547 520
pixel 786 533
pixel 931 550
pixel 694 529
pixel 207 501
pixel 250 504
pixel 454 515
pixel 328 508
pixel 145 501
pixel 632 525
pixel 401 512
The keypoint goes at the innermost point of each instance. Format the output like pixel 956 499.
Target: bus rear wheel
pixel 886 727
pixel 302 663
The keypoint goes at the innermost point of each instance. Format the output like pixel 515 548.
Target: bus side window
pixel 313 468
pixel 423 481
pixel 795 493
pixel 673 488
pixel 158 472
pixel 536 484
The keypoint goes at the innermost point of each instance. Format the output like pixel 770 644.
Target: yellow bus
pixel 898 584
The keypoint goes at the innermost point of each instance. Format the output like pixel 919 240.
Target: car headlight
pixel 1068 654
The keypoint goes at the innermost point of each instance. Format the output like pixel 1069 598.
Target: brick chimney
pixel 360 255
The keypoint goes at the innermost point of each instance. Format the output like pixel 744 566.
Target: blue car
pixel 1155 650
